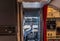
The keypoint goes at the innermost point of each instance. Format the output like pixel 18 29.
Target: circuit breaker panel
pixel 53 23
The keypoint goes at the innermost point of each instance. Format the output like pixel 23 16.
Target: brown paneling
pixel 7 12
pixel 7 38
pixel 8 17
pixel 31 0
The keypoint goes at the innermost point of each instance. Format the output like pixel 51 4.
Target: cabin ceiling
pixel 56 3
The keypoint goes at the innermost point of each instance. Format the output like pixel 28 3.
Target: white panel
pixel 32 5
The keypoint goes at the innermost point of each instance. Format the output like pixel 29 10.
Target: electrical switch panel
pixel 7 30
pixel 51 24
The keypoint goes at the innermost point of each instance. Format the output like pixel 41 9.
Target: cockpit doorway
pixel 31 24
